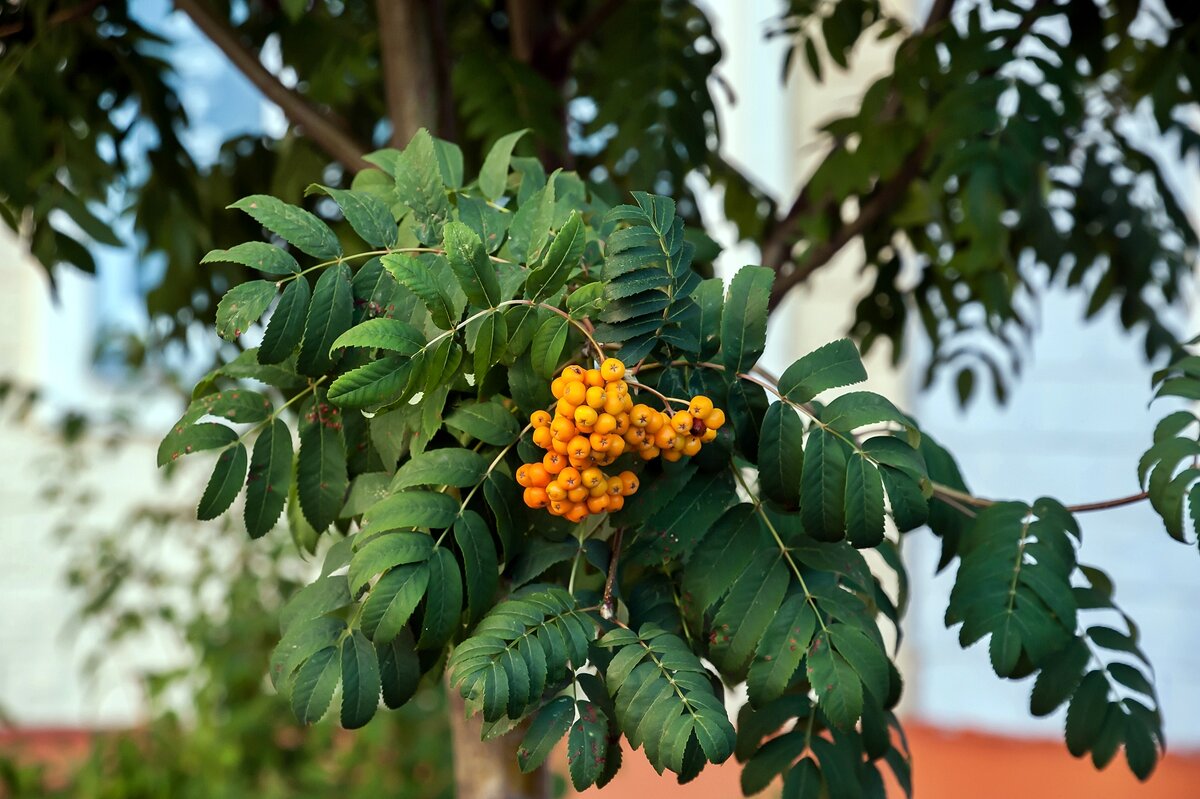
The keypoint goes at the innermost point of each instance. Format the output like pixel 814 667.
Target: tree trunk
pixel 488 769
pixel 410 78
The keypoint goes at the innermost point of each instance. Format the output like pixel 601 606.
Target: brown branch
pixel 777 248
pixel 319 127
pixel 957 498
pixel 409 79
pixel 60 17
pixel 608 609
pixel 585 29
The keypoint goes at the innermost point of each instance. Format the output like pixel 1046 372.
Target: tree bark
pixel 410 78
pixel 488 769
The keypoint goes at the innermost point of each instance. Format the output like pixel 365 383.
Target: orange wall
pixel 953 765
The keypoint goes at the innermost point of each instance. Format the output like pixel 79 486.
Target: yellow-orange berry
pixel 536 497
pixel 629 483
pixel 615 447
pixel 665 438
pixel 592 377
pixel 585 417
pixel 573 373
pixel 538 476
pixel 540 419
pixel 700 406
pixel 595 397
pixel 582 462
pixel 563 428
pixel 577 494
pixel 649 453
pixel 560 446
pixel 598 504
pixel 622 423
pixel 579 447
pixel 553 463
pixel 523 476
pixel 557 507
pixel 569 478
pixel 681 423
pixel 615 503
pixel 635 436
pixel 577 513
pixel 557 387
pixel 626 403
pixel 614 486
pixel 592 477
pixel 709 435
pixel 671 455
pixel 600 443
pixel 542 437
pixel 641 415
pixel 619 386
pixel 612 403
pixel 612 369
pixel 565 409
pixel 605 423
pixel 598 490
pixel 714 419
pixel 655 422
pixel 556 491
pixel 691 447
pixel 575 393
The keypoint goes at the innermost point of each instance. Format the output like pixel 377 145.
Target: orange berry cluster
pixel 596 421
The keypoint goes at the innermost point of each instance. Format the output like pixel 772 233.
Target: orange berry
pixel 536 497
pixel 614 486
pixel 553 463
pixel 641 415
pixel 655 422
pixel 563 428
pixel 559 446
pixel 604 459
pixel 538 476
pixel 612 403
pixel 556 490
pixel 612 369
pixel 649 453
pixel 542 437
pixel 600 443
pixel 680 442
pixel 619 386
pixel 615 447
pixel 540 419
pixel 709 435
pixel 585 416
pixel 598 504
pixel 575 393
pixel 691 447
pixel 700 406
pixel 615 504
pixel 569 478
pixel 682 423
pixel 623 424
pixel 629 483
pixel 626 403
pixel 672 455
pixel 714 419
pixel 573 373
pixel 605 423
pixel 577 494
pixel 577 513
pixel 635 436
pixel 582 463
pixel 592 477
pixel 523 476
pixel 557 387
pixel 592 377
pixel 595 397
pixel 579 447
pixel 565 409
pixel 559 507
pixel 598 490
pixel 665 438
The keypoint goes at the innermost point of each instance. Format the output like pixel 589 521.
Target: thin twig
pixel 607 607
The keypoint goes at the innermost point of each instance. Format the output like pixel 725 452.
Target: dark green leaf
pixel 314 685
pixel 383 334
pixel 823 487
pixel 393 600
pixel 329 315
pixel 443 601
pixel 409 509
pixel 321 476
pixel 489 422
pixel 864 503
pixel 493 176
pixel 294 225
pixel 781 454
pixel 562 257
pixel 286 325
pixel 474 540
pixel 383 552
pixel 471 265
pixel 269 479
pixel 452 466
pixel 834 365
pixel 399 669
pixel 744 321
pixel 242 306
pixel 266 258
pixel 360 681
pixel 548 344
pixel 587 746
pixel 547 729
pixel 229 474
pixel 367 214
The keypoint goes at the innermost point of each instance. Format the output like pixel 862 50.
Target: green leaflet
pixel 266 258
pixel 531 225
pixel 189 439
pixel 772 759
pixel 548 344
pixel 489 422
pixel 328 593
pixel 562 257
pixel 781 649
pixel 487 338
pixel 382 382
pixel 269 479
pixel 865 655
pixel 409 509
pixel 399 669
pixel 744 321
pixel 321 477
pixel 294 225
pixel 864 503
pixel 301 640
pixel 474 540
pixel 383 334
pixel 781 454
pixel 860 408
pixel 452 466
pixel 392 601
pixel 493 176
pixel 723 555
pixel 443 601
pixel 419 186
pixel 383 552
pixel 547 729
pixel 242 306
pixel 313 687
pixel 286 326
pixel 226 481
pixel 360 681
pixel 367 214
pixel 587 746
pixel 427 279
pixel 838 687
pixel 329 315
pixel 751 604
pixel 471 265
pixel 823 487
pixel 834 365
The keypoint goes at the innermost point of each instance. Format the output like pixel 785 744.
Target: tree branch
pixel 409 80
pixel 317 126
pixel 958 499
pixel 777 248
